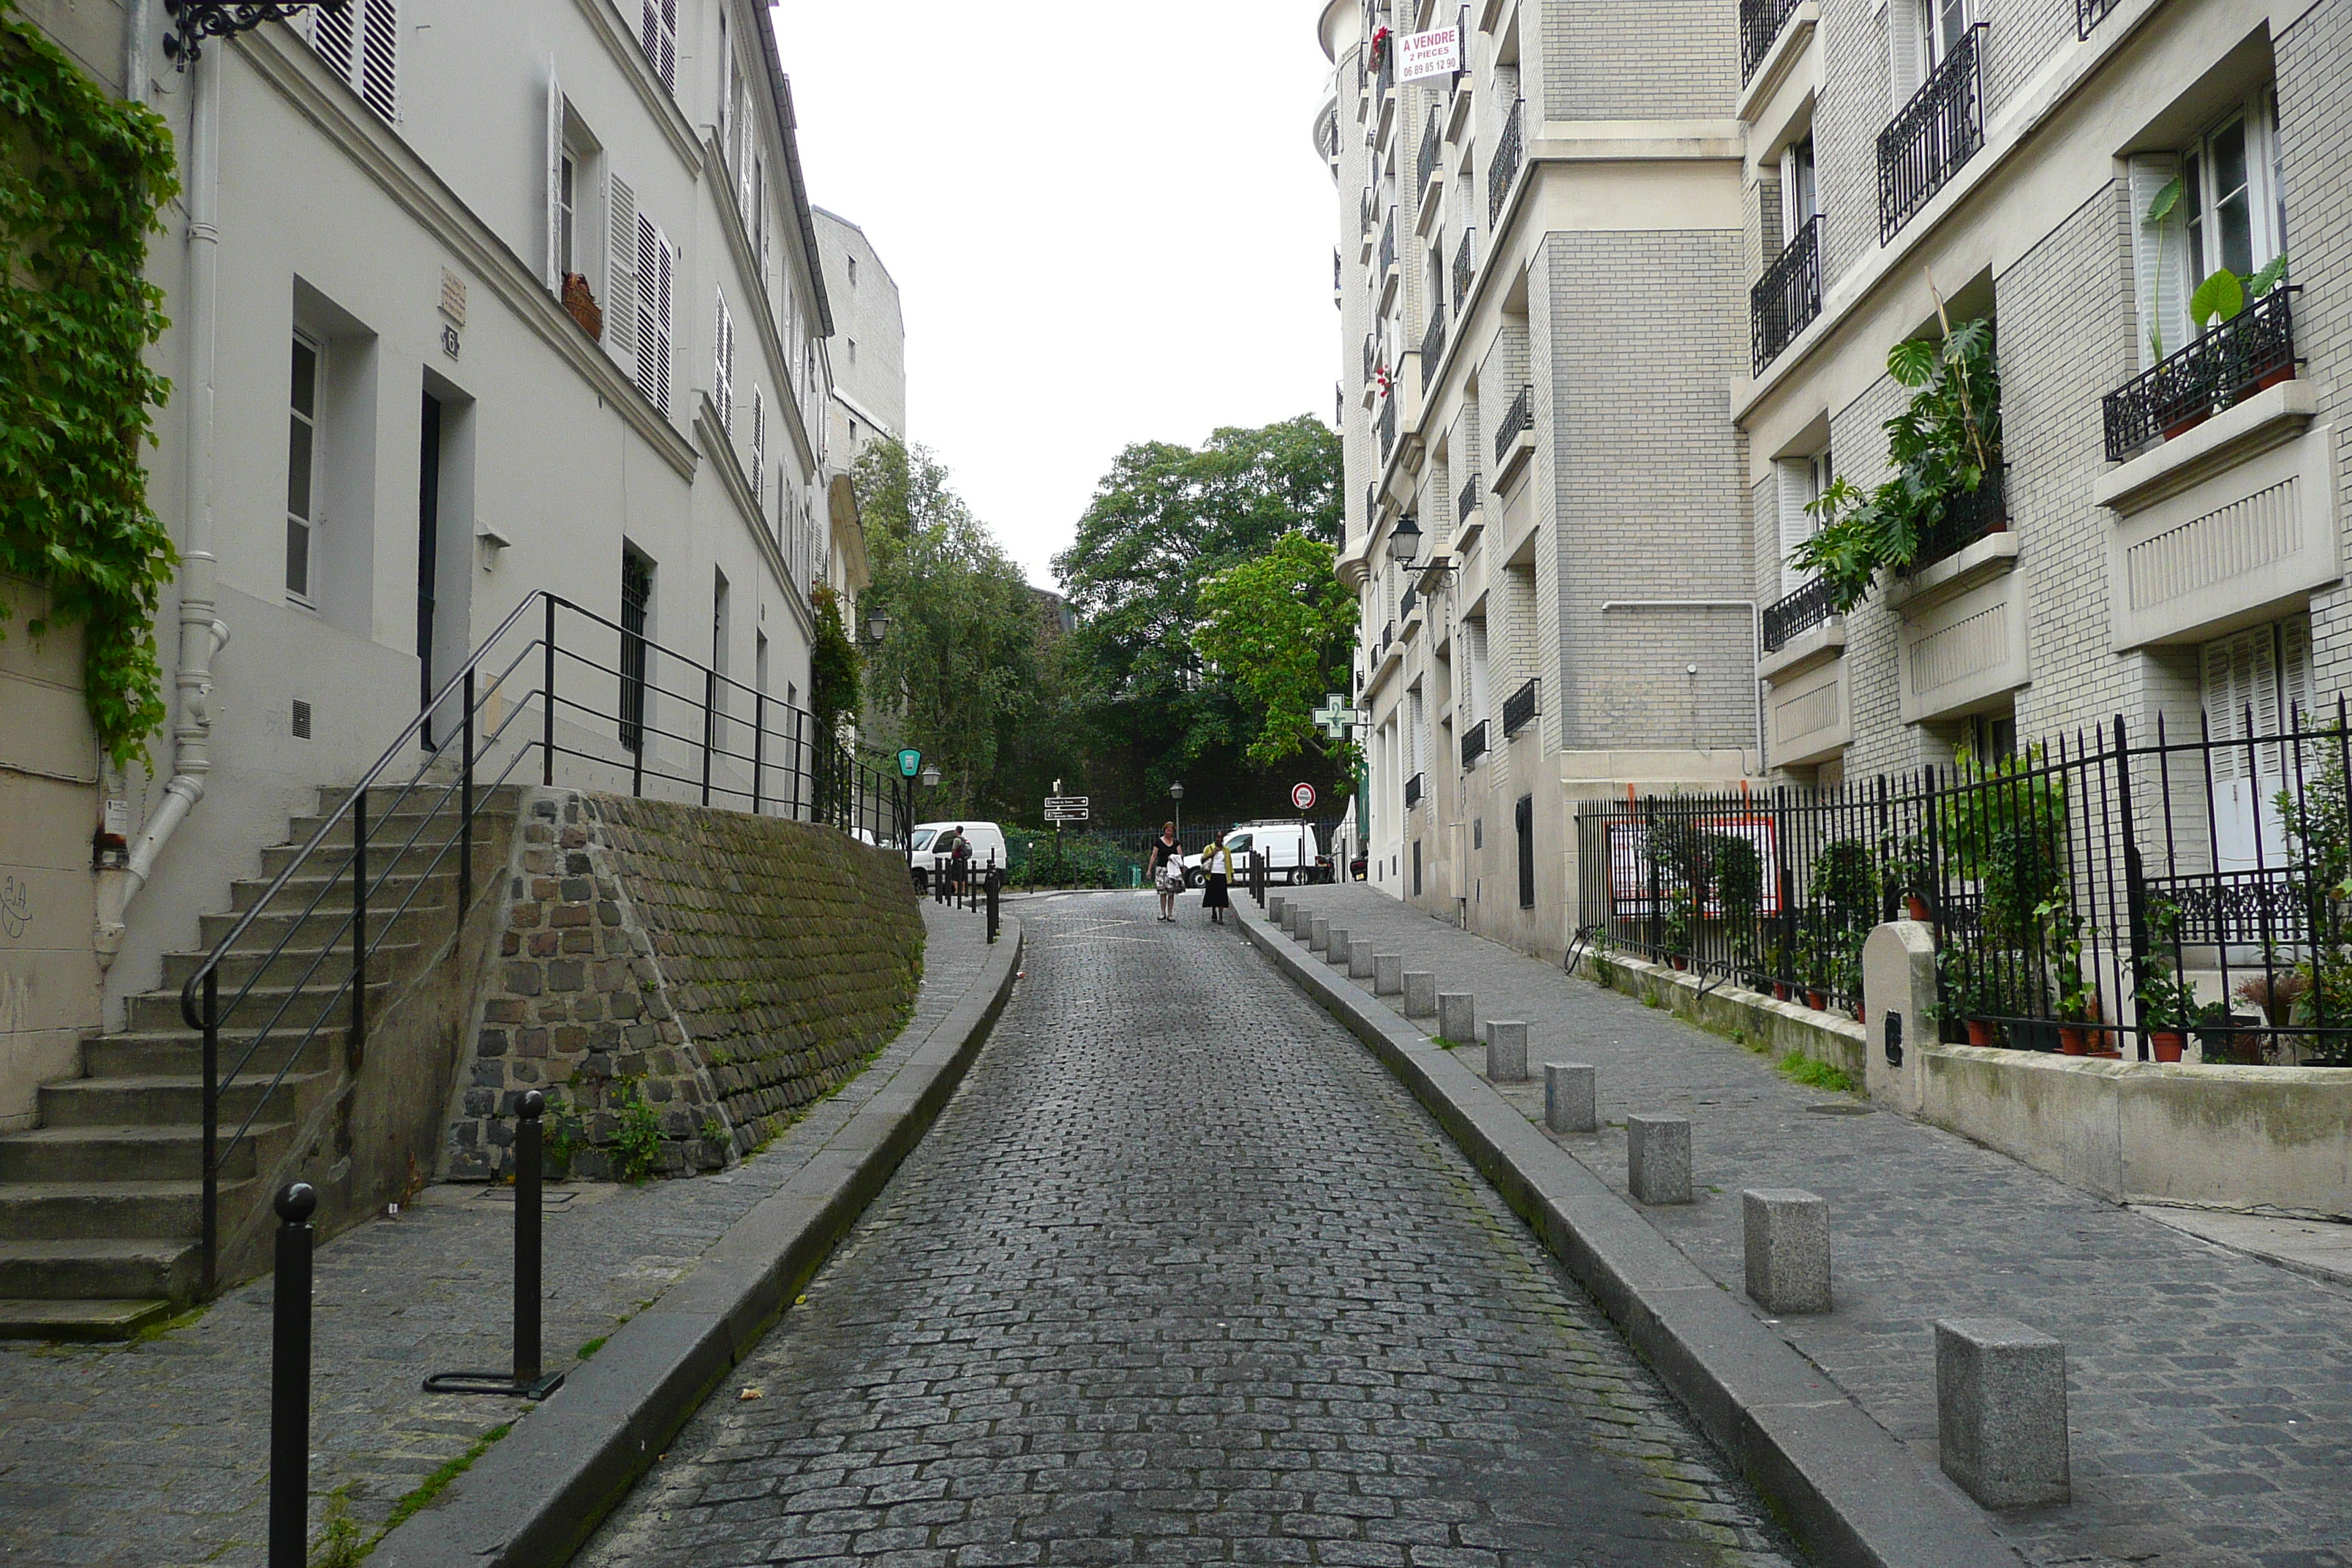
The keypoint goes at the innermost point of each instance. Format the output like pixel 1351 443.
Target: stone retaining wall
pixel 1729 1010
pixel 692 975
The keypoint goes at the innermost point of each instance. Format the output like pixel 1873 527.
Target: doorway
pixel 428 551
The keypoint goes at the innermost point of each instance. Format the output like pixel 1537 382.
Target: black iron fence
pixel 1940 129
pixel 1505 166
pixel 1790 616
pixel 1788 297
pixel 1760 22
pixel 2099 894
pixel 1518 708
pixel 2237 358
pixel 1388 243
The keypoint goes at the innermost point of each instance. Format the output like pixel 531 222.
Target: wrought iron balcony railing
pixel 1385 76
pixel 1504 168
pixel 1474 745
pixel 1968 517
pixel 2089 13
pixel 1462 261
pixel 1368 212
pixel 1520 419
pixel 1388 243
pixel 1407 602
pixel 1760 22
pixel 1788 296
pixel 1790 616
pixel 1327 133
pixel 1467 501
pixel 2243 355
pixel 1432 137
pixel 1940 129
pixel 1371 356
pixel 1518 708
pixel 1432 345
pixel 1412 792
pixel 1388 425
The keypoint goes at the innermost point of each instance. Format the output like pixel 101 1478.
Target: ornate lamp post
pixel 194 21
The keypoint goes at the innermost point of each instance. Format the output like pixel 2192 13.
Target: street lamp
pixel 878 626
pixel 1176 794
pixel 931 775
pixel 1404 541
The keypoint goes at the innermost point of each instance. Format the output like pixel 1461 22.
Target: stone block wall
pixel 720 969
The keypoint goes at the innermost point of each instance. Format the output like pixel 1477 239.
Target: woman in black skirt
pixel 1218 863
pixel 1166 870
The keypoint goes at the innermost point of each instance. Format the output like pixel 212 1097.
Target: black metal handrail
pixel 1413 787
pixel 516 667
pixel 1928 141
pixel 1519 418
pixel 1467 501
pixel 1474 745
pixel 1760 22
pixel 2089 13
pixel 1518 708
pixel 1505 167
pixel 1968 517
pixel 1463 257
pixel 1433 344
pixel 1432 140
pixel 1793 615
pixel 2224 365
pixel 1388 424
pixel 1788 297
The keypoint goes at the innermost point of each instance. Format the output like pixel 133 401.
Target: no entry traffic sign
pixel 1303 796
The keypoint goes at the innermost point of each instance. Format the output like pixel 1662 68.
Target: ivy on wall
pixel 82 178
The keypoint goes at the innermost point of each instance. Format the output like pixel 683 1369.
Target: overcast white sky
pixel 1107 221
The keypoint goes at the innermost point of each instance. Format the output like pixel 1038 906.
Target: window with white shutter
pixel 722 369
pixel 656 273
pixel 657 32
pixel 2255 685
pixel 621 275
pixel 760 450
pixel 2161 280
pixel 559 187
pixel 361 43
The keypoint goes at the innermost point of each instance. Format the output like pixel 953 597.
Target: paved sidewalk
pixel 2211 1392
pixel 155 1454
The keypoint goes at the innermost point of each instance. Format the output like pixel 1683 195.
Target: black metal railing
pixel 1463 260
pixel 1474 745
pixel 1371 356
pixel 1940 129
pixel 1518 708
pixel 1368 213
pixel 1433 344
pixel 1788 297
pixel 1327 133
pixel 1793 615
pixel 1388 424
pixel 1760 22
pixel 1505 166
pixel 1413 791
pixel 1516 421
pixel 2089 13
pixel 1466 502
pixel 1388 244
pixel 2237 356
pixel 1408 601
pixel 1968 517
pixel 1432 137
pixel 1384 74
pixel 592 700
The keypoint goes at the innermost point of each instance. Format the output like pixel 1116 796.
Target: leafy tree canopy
pixel 1279 628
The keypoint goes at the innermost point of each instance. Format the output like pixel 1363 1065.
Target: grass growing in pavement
pixel 590 1348
pixel 1799 1067
pixel 1443 1044
pixel 431 1487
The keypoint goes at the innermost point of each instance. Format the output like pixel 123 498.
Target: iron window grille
pixel 1474 745
pixel 1432 345
pixel 1521 419
pixel 1462 264
pixel 2237 357
pixel 1760 22
pixel 1506 166
pixel 2089 13
pixel 1792 615
pixel 1968 517
pixel 1412 792
pixel 1924 144
pixel 1788 297
pixel 1431 138
pixel 1518 708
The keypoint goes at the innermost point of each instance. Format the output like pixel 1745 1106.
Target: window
pixel 760 450
pixel 567 217
pixel 639 277
pixel 853 273
pixel 637 603
pixel 1523 821
pixel 657 33
pixel 2216 203
pixel 361 43
pixel 302 466
pixel 1920 35
pixel 852 350
pixel 2257 683
pixel 1800 482
pixel 722 369
pixel 1799 195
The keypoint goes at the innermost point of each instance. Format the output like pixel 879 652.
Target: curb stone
pixel 534 1499
pixel 1852 1494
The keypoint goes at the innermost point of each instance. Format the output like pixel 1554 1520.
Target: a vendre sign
pixel 1420 56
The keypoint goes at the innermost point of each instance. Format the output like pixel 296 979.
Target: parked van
pixel 987 839
pixel 1292 854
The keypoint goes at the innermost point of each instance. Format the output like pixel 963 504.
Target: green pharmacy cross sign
pixel 910 762
pixel 1335 718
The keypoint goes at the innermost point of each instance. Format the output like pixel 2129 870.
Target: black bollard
pixel 290 1381
pixel 995 879
pixel 528 1381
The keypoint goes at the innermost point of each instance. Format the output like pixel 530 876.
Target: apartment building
pixel 467 302
pixel 868 400
pixel 2164 540
pixel 1540 267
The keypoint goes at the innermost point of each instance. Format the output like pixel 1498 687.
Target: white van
pixel 987 838
pixel 1292 855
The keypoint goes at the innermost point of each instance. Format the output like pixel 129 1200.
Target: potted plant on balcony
pixel 1681 909
pixel 1967 994
pixel 2169 1007
pixel 1911 873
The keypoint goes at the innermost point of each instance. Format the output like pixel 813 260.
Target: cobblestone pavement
pixel 155 1454
pixel 1183 1275
pixel 2210 1393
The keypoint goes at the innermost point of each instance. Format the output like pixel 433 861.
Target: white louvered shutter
pixel 1794 487
pixel 554 181
pixel 657 32
pixel 747 138
pixel 760 450
pixel 332 34
pixel 2298 685
pixel 722 369
pixel 361 44
pixel 657 272
pixel 760 218
pixel 1906 49
pixel 2160 258
pixel 2240 695
pixel 621 275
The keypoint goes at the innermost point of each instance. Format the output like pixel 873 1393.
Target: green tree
pixel 1279 629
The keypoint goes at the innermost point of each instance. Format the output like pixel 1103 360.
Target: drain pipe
pixel 202 635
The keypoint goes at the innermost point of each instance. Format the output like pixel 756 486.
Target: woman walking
pixel 1167 868
pixel 1219 865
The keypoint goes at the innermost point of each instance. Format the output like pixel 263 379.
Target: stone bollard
pixel 1898 989
pixel 2001 1411
pixel 1388 973
pixel 1319 934
pixel 1420 995
pixel 1788 1250
pixel 1335 949
pixel 1292 913
pixel 1506 1051
pixel 1571 1097
pixel 1275 904
pixel 1360 959
pixel 1658 1158
pixel 1457 1016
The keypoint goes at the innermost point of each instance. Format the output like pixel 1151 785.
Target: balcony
pixel 1474 745
pixel 1461 263
pixel 1371 356
pixel 2089 13
pixel 1466 513
pixel 1408 602
pixel 1433 346
pixel 1515 430
pixel 1412 792
pixel 2236 359
pixel 1760 22
pixel 1940 129
pixel 1518 708
pixel 1505 167
pixel 1788 618
pixel 1368 215
pixel 1968 517
pixel 1431 139
pixel 1788 296
pixel 1388 425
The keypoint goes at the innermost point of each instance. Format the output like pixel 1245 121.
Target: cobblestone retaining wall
pixel 682 980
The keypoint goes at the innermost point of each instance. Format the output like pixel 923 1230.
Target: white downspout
pixel 202 633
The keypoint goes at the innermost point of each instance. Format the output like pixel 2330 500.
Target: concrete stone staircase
pixel 102 1204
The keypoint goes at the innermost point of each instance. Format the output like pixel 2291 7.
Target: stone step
pixel 181 1053
pixel 385 895
pixel 309 931
pixel 295 966
pixel 106 1267
pixel 432 852
pixel 160 1010
pixel 100 1318
pixel 159 1100
pixel 61 1211
pixel 489 816
pixel 130 1153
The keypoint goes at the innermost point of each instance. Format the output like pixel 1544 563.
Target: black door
pixel 637 593
pixel 1523 817
pixel 1416 867
pixel 428 547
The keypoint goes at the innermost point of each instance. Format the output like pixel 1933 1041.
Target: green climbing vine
pixel 82 179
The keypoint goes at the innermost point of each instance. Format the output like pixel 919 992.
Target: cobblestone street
pixel 1184 1274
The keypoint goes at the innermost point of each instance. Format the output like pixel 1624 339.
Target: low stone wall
pixel 1757 1020
pixel 693 975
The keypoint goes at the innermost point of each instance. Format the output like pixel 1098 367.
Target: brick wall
pixel 724 969
pixel 1639 59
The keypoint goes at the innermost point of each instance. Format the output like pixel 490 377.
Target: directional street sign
pixel 1303 796
pixel 910 762
pixel 1067 808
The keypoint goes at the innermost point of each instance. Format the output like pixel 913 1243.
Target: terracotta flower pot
pixel 1780 991
pixel 2074 1040
pixel 2109 1055
pixel 1677 962
pixel 1914 906
pixel 1819 1001
pixel 1980 1033
pixel 2167 1043
pixel 2181 428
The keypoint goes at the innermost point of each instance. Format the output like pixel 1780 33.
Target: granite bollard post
pixel 1388 973
pixel 1658 1158
pixel 1506 1051
pixel 2001 1411
pixel 1275 904
pixel 1788 1235
pixel 1360 959
pixel 1571 1097
pixel 1319 934
pixel 1420 995
pixel 1457 1016
pixel 1335 948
